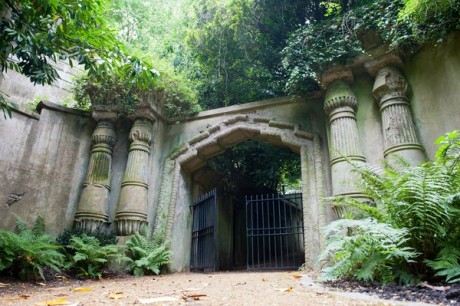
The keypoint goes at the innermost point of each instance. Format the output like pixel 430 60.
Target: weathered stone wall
pixel 22 91
pixel 434 78
pixel 434 96
pixel 43 158
pixel 275 121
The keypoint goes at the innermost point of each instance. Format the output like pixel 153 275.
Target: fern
pixel 369 251
pixel 90 257
pixel 148 254
pixel 27 253
pixel 423 201
pixel 447 264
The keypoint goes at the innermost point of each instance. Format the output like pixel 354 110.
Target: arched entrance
pixel 174 213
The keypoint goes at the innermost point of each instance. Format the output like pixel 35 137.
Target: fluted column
pixel 390 90
pixel 132 207
pixel 93 206
pixel 340 105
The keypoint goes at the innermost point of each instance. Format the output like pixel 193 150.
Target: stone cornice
pixel 392 59
pixel 55 107
pixel 336 73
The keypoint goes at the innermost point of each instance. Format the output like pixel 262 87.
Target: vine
pixel 399 24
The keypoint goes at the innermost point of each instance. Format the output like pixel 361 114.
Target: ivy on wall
pixel 400 24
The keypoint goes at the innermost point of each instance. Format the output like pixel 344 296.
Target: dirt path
pixel 226 288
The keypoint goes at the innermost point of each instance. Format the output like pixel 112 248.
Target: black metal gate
pixel 274 227
pixel 203 255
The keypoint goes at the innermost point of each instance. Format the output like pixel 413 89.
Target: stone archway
pixel 193 155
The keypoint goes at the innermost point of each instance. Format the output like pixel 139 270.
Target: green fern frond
pixel 148 254
pixel 447 263
pixel 39 227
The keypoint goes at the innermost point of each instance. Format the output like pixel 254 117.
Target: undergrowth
pixel 28 252
pixel 411 221
pixel 148 253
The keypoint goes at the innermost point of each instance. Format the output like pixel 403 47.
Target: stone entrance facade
pixel 87 170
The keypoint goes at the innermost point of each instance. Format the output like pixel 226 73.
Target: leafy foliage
pixel 38 33
pixel 447 264
pixel 423 200
pixel 148 254
pixel 169 92
pixel 268 166
pixel 340 35
pixel 104 237
pixel 5 106
pixel 26 253
pixel 90 257
pixel 237 45
pixel 371 250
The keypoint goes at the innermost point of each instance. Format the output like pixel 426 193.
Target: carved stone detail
pixel 307 144
pixel 390 90
pixel 93 206
pixel 389 83
pixel 132 207
pixel 340 105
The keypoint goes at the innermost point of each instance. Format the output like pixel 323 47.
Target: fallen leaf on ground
pixel 288 289
pixel 194 297
pixel 4 285
pixel 61 276
pixel 82 289
pixel 239 284
pixel 117 295
pixel 41 284
pixel 158 300
pixel 61 294
pixel 60 301
pixel 13 298
pixel 437 288
pixel 297 276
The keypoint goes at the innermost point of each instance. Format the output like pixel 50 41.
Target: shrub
pixel 26 253
pixel 447 264
pixel 148 254
pixel 91 257
pixel 104 237
pixel 371 250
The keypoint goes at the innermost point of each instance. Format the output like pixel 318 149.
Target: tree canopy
pixel 206 53
pixel 38 33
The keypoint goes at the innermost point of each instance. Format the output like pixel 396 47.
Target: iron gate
pixel 203 255
pixel 274 227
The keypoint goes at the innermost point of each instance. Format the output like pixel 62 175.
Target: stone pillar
pixel 132 207
pixel 93 206
pixel 390 90
pixel 340 105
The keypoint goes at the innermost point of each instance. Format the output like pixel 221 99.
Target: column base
pixel 127 223
pixel 90 222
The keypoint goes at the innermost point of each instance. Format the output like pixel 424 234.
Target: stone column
pixel 93 207
pixel 132 207
pixel 390 90
pixel 340 105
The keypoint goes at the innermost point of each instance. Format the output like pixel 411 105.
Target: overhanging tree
pixel 38 33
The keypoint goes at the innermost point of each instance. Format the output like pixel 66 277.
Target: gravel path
pixel 224 288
